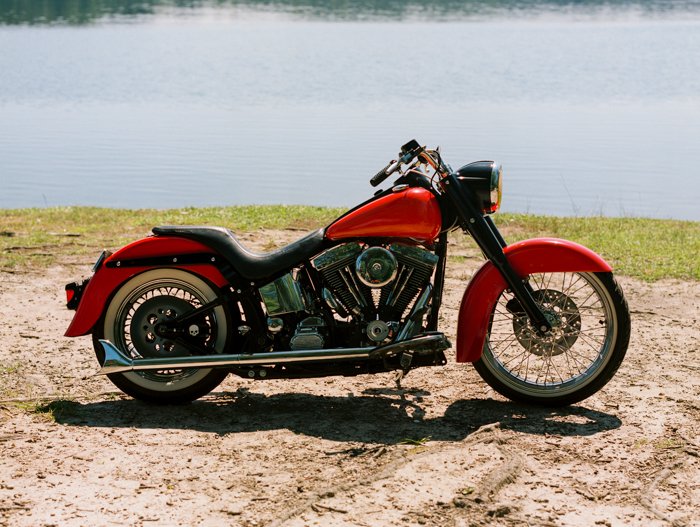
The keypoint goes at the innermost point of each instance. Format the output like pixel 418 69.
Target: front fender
pixel 539 255
pixel 107 280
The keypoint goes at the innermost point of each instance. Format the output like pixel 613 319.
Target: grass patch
pixel 645 248
pixel 669 444
pixel 642 247
pixel 409 441
pixel 34 238
pixel 51 410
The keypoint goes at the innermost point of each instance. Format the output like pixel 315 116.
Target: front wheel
pixel 588 341
pixel 129 323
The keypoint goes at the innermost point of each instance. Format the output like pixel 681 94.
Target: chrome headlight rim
pixel 496 187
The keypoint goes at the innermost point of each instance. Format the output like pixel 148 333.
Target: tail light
pixel 74 291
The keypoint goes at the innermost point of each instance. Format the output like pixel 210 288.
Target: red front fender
pixel 106 280
pixel 540 255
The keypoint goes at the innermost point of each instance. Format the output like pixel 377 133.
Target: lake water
pixel 591 107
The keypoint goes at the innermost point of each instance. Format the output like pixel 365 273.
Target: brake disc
pixel 561 311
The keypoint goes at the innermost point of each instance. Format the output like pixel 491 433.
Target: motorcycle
pixel 543 320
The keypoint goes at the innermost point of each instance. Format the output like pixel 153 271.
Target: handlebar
pixel 394 166
pixel 380 177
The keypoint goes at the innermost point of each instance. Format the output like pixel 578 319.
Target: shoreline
pixel 642 248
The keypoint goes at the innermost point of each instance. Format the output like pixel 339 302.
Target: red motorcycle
pixel 543 320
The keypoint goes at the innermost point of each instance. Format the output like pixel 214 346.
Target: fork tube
pixel 439 282
pixel 495 231
pixel 492 245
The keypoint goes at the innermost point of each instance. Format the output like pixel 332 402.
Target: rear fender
pixel 107 280
pixel 539 255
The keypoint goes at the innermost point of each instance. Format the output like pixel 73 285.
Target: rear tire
pixel 128 321
pixel 576 359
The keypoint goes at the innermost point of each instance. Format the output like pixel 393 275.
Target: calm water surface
pixel 591 107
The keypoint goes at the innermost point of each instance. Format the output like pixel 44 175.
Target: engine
pixel 370 289
pixel 374 283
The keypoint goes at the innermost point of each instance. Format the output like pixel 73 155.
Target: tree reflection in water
pixel 82 12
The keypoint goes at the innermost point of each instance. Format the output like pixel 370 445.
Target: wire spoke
pixel 567 353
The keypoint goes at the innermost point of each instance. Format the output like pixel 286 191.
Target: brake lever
pixel 393 167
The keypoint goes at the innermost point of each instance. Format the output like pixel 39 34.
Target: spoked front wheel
pixel 588 341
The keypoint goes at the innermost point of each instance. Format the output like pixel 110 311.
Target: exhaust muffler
pixel 116 361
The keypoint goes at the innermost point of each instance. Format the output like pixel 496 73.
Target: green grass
pixel 645 248
pixel 409 441
pixel 641 247
pixel 33 238
pixel 51 410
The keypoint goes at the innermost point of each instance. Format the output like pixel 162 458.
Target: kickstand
pixel 406 359
pixel 400 374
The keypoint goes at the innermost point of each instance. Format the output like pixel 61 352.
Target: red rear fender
pixel 107 280
pixel 540 255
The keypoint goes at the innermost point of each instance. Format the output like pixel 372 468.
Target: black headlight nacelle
pixel 484 180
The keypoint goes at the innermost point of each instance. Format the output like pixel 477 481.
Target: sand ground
pixel 334 451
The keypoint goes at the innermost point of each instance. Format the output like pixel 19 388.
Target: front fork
pixel 489 239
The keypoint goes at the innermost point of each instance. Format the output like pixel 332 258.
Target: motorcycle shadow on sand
pixel 375 416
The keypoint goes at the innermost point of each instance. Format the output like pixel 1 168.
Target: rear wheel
pixel 129 323
pixel 588 341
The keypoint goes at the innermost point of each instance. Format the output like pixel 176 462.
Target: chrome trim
pixel 351 275
pixel 414 253
pixel 283 295
pixel 496 186
pixel 438 340
pixel 377 330
pixel 274 324
pixel 376 267
pixel 103 256
pixel 311 322
pixel 399 286
pixel 117 361
pixel 336 254
pixel 329 298
pixel 409 327
pixel 352 287
pixel 306 336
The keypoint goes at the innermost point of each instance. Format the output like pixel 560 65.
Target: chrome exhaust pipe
pixel 116 361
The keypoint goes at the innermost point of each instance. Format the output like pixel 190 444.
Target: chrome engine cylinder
pixel 378 281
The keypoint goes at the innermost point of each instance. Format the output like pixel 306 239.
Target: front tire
pixel 129 321
pixel 573 361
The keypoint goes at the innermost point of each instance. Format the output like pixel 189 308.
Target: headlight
pixel 484 180
pixel 496 187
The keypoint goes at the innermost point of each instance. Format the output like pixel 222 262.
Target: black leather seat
pixel 249 265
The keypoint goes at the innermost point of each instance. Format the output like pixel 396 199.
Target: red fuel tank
pixel 413 213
